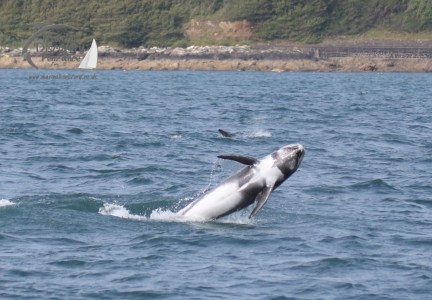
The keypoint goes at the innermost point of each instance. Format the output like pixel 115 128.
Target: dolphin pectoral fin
pixel 246 160
pixel 261 200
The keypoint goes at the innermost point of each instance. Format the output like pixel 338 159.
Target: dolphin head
pixel 288 158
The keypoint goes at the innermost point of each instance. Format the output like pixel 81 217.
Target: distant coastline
pixel 369 56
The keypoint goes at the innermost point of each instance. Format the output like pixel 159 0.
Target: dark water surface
pixel 92 171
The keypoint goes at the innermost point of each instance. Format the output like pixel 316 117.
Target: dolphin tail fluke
pixel 261 200
pixel 246 160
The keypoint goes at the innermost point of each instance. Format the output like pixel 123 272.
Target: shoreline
pixel 346 64
pixel 276 58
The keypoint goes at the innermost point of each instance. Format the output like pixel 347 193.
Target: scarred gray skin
pixel 253 183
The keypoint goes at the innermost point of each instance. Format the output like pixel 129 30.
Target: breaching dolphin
pixel 253 183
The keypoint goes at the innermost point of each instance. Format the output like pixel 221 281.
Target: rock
pixel 16 52
pixel 370 67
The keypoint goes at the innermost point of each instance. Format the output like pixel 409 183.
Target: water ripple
pixel 94 171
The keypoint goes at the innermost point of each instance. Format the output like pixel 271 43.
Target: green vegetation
pixel 133 23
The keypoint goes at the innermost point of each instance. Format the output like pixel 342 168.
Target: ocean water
pixel 92 171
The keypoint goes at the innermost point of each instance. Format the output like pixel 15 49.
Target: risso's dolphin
pixel 253 183
pixel 225 133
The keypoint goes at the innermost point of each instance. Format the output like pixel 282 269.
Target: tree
pixel 420 14
pixel 295 20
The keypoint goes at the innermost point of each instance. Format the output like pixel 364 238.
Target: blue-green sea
pixel 94 165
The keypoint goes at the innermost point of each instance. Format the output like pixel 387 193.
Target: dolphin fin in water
pixel 262 199
pixel 225 133
pixel 246 160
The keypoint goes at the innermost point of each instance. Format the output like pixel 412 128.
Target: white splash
pixel 165 215
pixel 160 214
pixel 5 202
pixel 259 133
pixel 169 216
pixel 115 210
pixel 237 218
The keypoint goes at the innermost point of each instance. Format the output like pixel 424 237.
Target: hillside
pixel 132 23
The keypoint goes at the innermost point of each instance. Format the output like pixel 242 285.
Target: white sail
pixel 90 60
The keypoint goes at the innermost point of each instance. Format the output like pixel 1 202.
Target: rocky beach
pixel 351 56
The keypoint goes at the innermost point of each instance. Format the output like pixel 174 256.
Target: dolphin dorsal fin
pixel 246 160
pixel 225 133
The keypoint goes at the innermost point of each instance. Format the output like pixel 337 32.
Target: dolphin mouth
pixel 299 150
pixel 300 154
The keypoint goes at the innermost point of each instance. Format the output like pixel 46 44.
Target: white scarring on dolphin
pixel 253 183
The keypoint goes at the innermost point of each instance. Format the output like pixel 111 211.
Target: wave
pixel 378 185
pixel 5 202
pixel 115 210
pixel 169 216
pixel 158 214
pixel 259 133
pixel 126 207
pixel 166 215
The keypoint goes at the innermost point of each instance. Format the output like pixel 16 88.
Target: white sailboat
pixel 90 60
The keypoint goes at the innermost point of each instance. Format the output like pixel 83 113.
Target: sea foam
pixel 116 210
pixel 5 202
pixel 259 134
